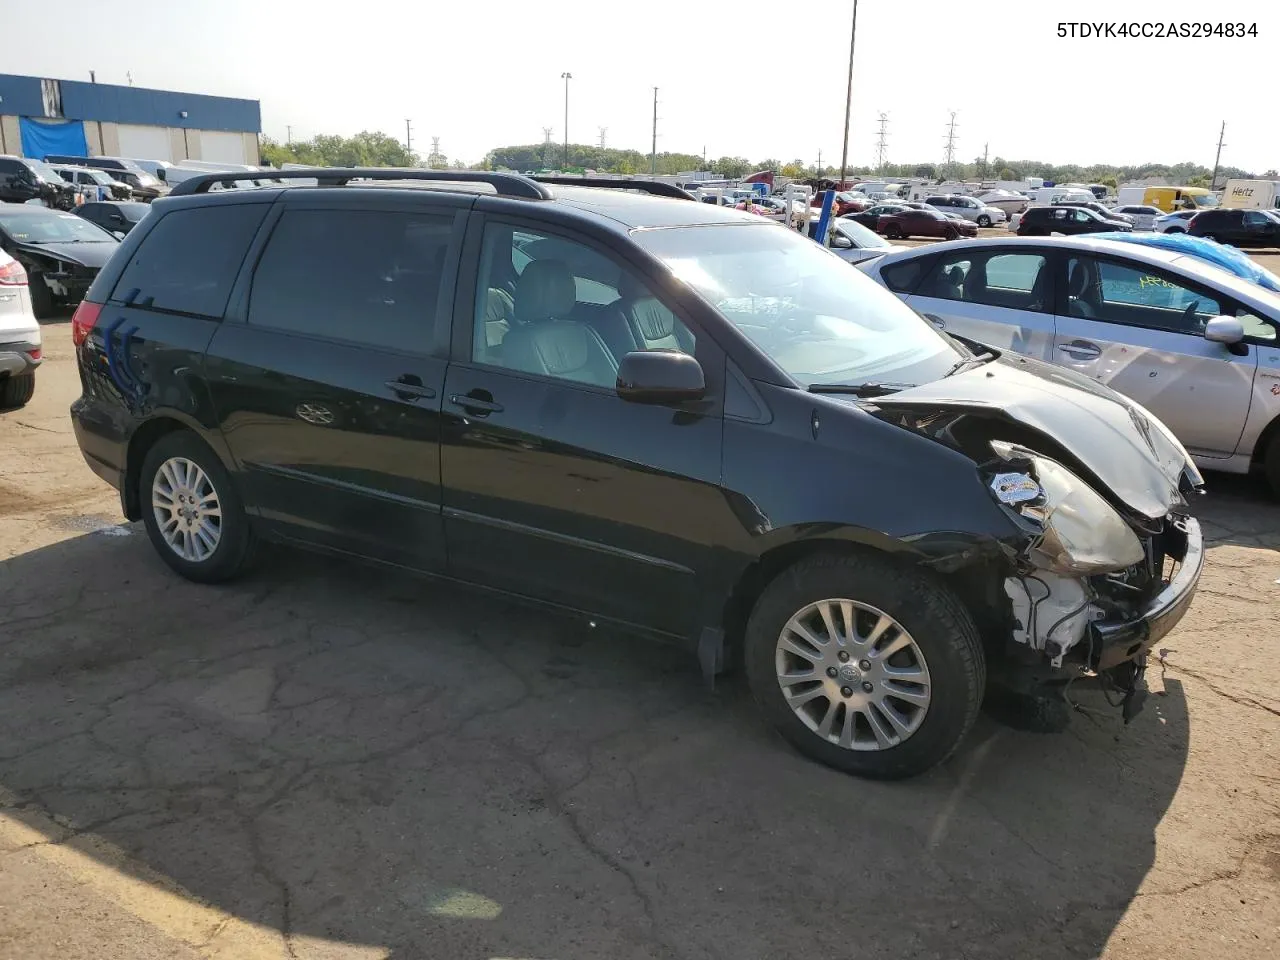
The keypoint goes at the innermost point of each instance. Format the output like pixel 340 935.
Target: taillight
pixel 13 275
pixel 83 320
pixel 35 354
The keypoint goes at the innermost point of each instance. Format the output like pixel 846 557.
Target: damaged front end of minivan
pixel 1106 558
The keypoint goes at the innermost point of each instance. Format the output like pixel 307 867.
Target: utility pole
pixel 986 152
pixel 848 97
pixel 566 77
pixel 546 143
pixel 93 77
pixel 1213 183
pixel 951 143
pixel 653 150
pixel 408 137
pixel 435 151
pixel 603 131
pixel 882 144
pixel 288 136
pixel 818 169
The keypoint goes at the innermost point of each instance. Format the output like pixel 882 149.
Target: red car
pixel 844 203
pixel 924 223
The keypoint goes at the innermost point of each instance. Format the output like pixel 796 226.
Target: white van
pixel 1051 195
pixel 1251 194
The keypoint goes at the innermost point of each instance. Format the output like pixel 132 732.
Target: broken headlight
pixel 1081 534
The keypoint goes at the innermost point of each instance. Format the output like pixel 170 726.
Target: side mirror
pixel 118 234
pixel 160 174
pixel 840 242
pixel 660 376
pixel 1228 330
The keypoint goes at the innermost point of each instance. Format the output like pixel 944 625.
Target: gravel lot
pixel 324 761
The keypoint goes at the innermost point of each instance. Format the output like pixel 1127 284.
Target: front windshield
pixel 51 227
pixel 44 171
pixel 860 235
pixel 814 317
pixel 1208 200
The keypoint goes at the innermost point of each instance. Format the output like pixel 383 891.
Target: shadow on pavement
pixel 353 756
pixel 1239 510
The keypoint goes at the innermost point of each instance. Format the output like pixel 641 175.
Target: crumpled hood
pixel 1115 439
pixel 86 254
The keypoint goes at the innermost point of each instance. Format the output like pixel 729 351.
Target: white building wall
pixel 145 143
pixel 221 146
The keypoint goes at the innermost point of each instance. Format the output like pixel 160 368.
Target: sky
pixel 745 78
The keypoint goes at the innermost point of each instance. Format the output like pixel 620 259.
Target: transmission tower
pixel 603 140
pixel 951 142
pixel 882 144
pixel 546 142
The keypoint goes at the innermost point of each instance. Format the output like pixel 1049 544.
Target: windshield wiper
pixel 963 362
pixel 860 389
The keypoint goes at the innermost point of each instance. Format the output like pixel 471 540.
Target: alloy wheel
pixel 852 674
pixel 187 510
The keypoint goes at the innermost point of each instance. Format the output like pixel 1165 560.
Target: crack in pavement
pixel 1241 699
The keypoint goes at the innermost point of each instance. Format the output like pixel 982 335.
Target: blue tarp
pixel 1228 258
pixel 40 138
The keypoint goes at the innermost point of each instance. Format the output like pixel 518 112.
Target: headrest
pixel 544 291
pixel 654 320
pixel 630 288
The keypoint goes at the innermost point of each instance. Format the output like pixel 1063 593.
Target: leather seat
pixel 653 326
pixel 545 340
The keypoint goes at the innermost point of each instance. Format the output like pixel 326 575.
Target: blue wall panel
pixel 114 104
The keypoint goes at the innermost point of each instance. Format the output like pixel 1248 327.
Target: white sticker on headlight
pixel 1014 487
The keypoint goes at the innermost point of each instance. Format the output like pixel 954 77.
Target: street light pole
pixel 566 77
pixel 848 97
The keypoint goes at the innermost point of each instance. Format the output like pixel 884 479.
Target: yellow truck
pixel 1168 199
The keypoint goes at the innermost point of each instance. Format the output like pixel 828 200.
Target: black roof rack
pixel 508 184
pixel 655 187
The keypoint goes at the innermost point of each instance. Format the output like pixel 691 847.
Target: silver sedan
pixel 1191 342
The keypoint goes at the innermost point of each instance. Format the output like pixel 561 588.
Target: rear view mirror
pixel 1228 330
pixel 660 376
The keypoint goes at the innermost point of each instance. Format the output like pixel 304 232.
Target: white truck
pixel 1252 194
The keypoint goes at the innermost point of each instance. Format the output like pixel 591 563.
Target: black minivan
pixel 678 418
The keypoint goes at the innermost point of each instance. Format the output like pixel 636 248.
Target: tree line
pixel 375 149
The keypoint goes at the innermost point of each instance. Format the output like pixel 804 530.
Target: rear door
pixel 1140 330
pixel 1000 296
pixel 328 377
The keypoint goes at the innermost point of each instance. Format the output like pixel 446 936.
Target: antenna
pixel 882 144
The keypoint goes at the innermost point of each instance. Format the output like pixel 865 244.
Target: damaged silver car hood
pixel 1113 438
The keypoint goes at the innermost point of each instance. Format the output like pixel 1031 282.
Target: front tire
pixel 192 512
pixel 864 665
pixel 893 233
pixel 984 221
pixel 1271 464
pixel 17 390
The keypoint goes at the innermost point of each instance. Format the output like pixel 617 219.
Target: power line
pixel 951 141
pixel 653 152
pixel 882 144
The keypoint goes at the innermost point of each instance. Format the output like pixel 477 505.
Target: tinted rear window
pixel 189 260
pixel 368 276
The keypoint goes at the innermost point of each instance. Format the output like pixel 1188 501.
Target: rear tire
pixel 893 233
pixel 41 296
pixel 215 542
pixel 984 221
pixel 940 637
pixel 17 390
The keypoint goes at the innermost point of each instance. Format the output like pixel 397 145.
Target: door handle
pixel 1080 350
pixel 409 388
pixel 479 403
